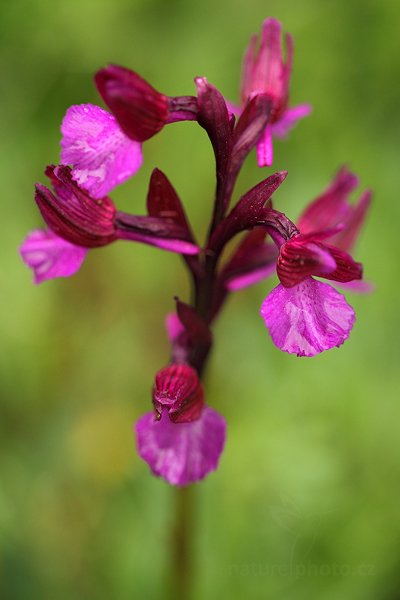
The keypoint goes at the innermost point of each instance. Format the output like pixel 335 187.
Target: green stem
pixel 182 544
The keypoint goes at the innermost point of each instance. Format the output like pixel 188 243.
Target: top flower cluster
pixel 104 149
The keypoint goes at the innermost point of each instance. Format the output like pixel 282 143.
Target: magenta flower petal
pixel 181 453
pixel 239 282
pixel 50 256
pixel 308 318
pixel 357 286
pixel 233 109
pixel 289 119
pixel 173 326
pixel 265 153
pixel 101 155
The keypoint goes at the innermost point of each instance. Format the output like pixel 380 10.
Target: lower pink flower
pixel 308 318
pixel 181 453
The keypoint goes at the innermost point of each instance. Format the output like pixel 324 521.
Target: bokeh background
pixel 305 503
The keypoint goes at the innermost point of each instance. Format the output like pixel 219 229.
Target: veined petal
pixel 268 73
pixel 178 389
pixel 50 256
pixel 298 260
pixel 72 213
pixel 181 453
pixel 101 155
pixel 346 268
pixel 308 318
pixel 289 118
pixel 140 110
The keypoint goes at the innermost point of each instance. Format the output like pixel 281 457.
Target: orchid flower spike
pixel 182 438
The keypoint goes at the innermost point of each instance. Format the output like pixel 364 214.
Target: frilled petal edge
pixel 101 155
pixel 181 453
pixel 308 318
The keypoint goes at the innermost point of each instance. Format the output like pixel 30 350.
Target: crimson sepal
pixel 347 269
pixel 249 211
pixel 164 202
pixel 140 110
pixel 178 389
pixel 72 213
pixel 331 207
pixel 301 258
pixel 346 238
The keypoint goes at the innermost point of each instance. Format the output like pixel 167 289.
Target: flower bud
pixel 140 110
pixel 178 390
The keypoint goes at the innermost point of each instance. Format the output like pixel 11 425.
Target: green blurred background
pixel 305 503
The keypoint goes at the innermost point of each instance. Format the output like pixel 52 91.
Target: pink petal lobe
pixel 308 318
pixel 289 119
pixel 332 206
pixel 101 155
pixel 181 453
pixel 173 326
pixel 357 286
pixel 265 154
pixel 239 282
pixel 346 238
pixel 50 256
pixel 233 109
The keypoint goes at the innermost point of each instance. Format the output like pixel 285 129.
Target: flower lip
pixel 178 390
pixel 308 318
pixel 181 453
